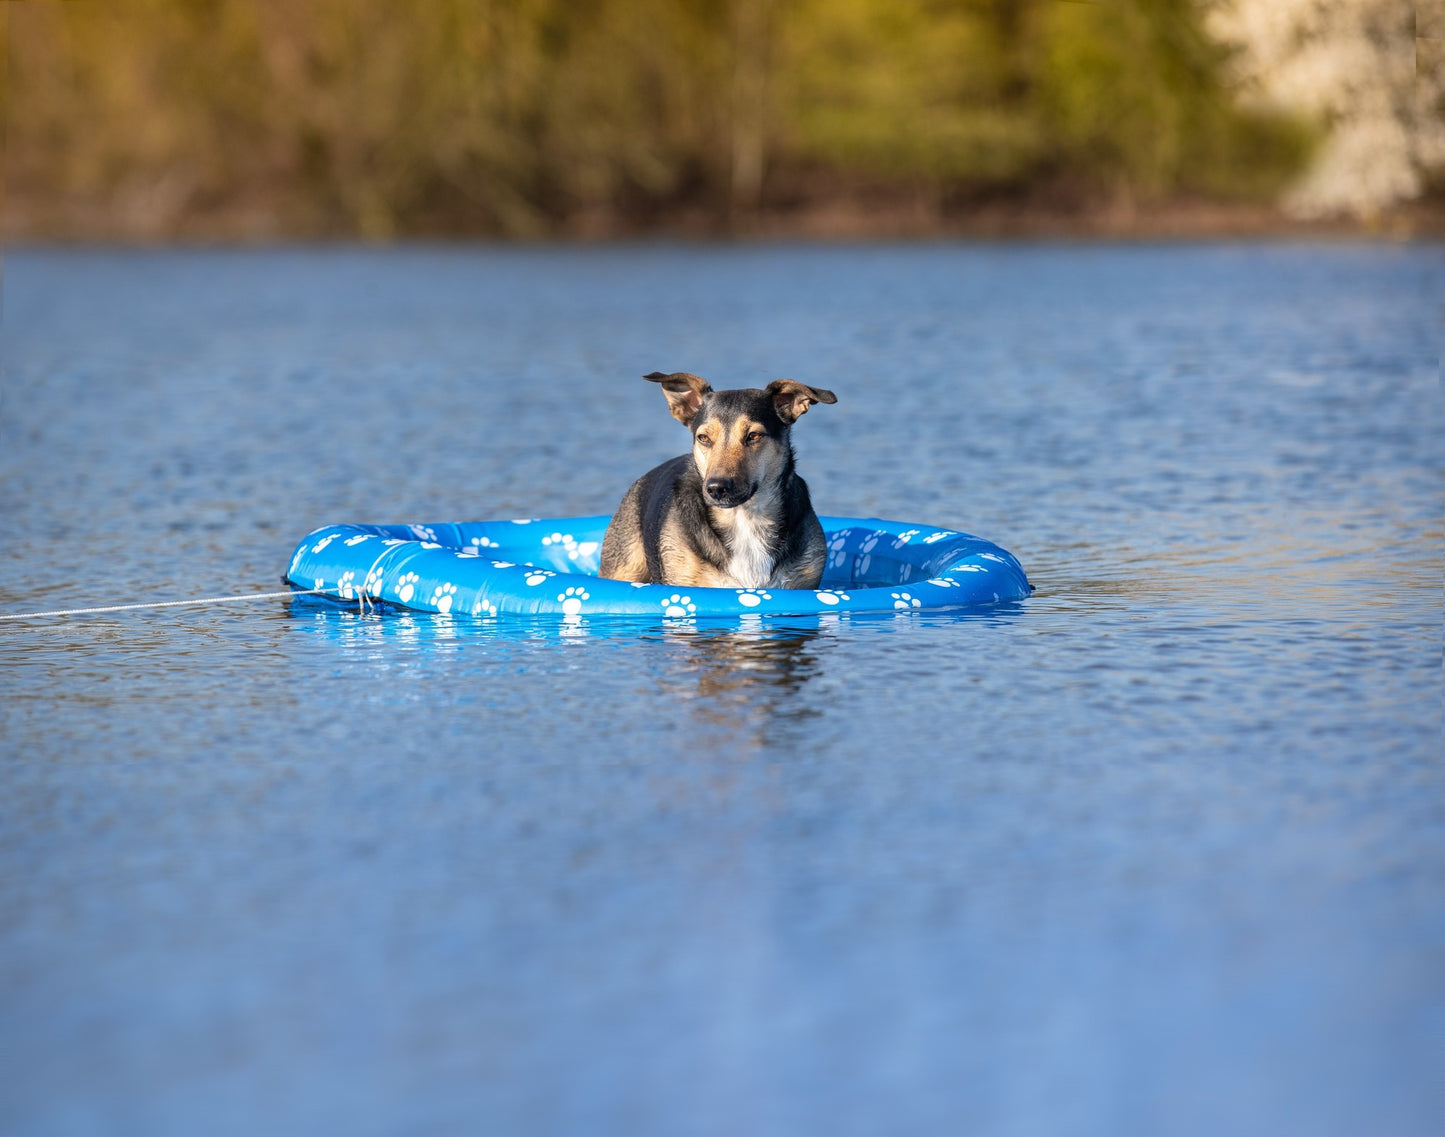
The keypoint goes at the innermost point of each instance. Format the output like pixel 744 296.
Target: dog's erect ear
pixel 792 399
pixel 684 393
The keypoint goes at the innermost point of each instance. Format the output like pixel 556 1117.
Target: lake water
pixel 1158 851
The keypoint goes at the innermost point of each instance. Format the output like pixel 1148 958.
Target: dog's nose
pixel 719 487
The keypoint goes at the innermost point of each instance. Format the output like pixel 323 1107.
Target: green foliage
pixel 535 117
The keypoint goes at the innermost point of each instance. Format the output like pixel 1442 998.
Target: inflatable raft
pixel 488 569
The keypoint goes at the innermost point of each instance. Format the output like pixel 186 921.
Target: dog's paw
pixel 405 586
pixel 905 600
pixel 829 597
pixel 752 597
pixel 443 596
pixel 678 605
pixel 572 600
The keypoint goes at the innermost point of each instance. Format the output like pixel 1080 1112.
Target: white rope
pixel 163 604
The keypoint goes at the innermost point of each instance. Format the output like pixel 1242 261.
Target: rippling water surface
pixel 1158 851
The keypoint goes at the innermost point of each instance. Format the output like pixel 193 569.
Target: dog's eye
pixel 753 436
pixel 704 440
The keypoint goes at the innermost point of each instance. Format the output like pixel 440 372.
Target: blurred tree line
pixel 557 117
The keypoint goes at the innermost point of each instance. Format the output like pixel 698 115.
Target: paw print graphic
pixel 905 600
pixel 572 600
pixel 373 582
pixel 904 537
pixel 829 597
pixel 574 549
pixel 944 582
pixel 968 568
pixel 678 605
pixel 484 608
pixel 346 586
pixel 425 532
pixel 537 576
pixel 443 596
pixel 484 543
pixel 405 586
pixel 752 597
pixel 939 536
pixel 352 542
pixel 868 544
pixel 321 544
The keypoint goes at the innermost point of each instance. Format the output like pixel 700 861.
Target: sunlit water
pixel 1158 851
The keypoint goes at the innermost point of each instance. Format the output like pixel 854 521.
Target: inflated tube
pixel 540 567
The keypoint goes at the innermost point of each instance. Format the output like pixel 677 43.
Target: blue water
pixel 1159 851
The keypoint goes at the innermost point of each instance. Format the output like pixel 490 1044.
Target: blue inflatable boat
pixel 489 569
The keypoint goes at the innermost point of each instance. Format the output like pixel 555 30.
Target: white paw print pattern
pixel 968 568
pixel 752 597
pixel 678 605
pixel 904 537
pixel 870 542
pixel 537 576
pixel 484 608
pixel 484 543
pixel 828 596
pixel 944 582
pixel 425 532
pixel 905 600
pixel 405 586
pixel 572 600
pixel 321 544
pixel 939 536
pixel 442 597
pixel 352 542
pixel 574 549
pixel 346 586
pixel 373 582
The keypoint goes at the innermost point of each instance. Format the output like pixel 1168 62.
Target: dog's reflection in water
pixel 750 676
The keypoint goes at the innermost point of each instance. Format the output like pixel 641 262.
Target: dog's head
pixel 740 439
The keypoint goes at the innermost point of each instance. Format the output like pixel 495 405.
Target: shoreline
pixel 842 220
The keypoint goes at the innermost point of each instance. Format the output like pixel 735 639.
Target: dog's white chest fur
pixel 751 562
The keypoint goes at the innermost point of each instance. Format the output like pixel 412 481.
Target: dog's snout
pixel 719 488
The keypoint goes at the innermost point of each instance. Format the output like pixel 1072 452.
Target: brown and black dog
pixel 733 513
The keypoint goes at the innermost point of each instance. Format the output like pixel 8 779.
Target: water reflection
pixel 750 676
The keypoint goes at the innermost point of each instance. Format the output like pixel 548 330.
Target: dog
pixel 731 514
